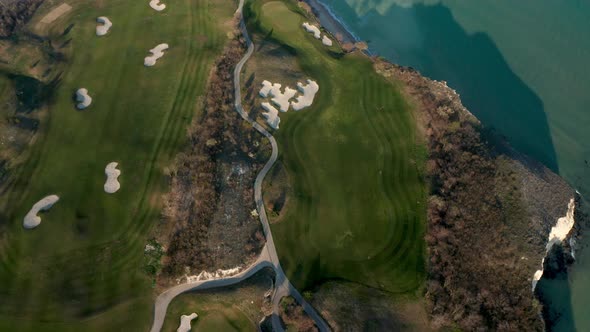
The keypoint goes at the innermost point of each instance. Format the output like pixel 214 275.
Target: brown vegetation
pixel 15 14
pixel 293 315
pixel 484 240
pixel 348 306
pixel 30 71
pixel 276 189
pixel 207 222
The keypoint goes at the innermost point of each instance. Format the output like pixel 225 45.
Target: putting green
pixel 357 211
pixel 85 257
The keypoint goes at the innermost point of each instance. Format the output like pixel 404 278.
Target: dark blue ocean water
pixel 522 67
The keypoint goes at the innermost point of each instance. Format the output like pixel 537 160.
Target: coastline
pixel 562 256
pixel 331 22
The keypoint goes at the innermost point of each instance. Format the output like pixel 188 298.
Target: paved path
pixel 282 285
pixel 268 256
pixel 165 298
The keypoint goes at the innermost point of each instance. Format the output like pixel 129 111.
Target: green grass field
pixel 357 208
pixel 81 267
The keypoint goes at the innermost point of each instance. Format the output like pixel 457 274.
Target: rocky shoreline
pixel 330 21
pixel 541 195
pixel 528 199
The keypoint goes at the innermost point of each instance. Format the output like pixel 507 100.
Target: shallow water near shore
pixel 520 67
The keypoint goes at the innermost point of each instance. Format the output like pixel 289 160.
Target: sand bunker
pixel 185 322
pixel 102 30
pixel 271 115
pixel 156 5
pixel 309 91
pixel 157 52
pixel 558 233
pixel 312 29
pixel 281 99
pixel 84 100
pixel 31 219
pixel 112 184
pixel 267 87
pixel 326 41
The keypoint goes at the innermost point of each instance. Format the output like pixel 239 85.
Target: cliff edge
pixel 493 215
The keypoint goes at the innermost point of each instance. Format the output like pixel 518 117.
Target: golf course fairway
pixel 357 205
pixel 81 268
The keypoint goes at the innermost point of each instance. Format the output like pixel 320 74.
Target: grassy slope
pixel 87 253
pixel 357 211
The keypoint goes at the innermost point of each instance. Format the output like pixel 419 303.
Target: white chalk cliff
pixel 558 233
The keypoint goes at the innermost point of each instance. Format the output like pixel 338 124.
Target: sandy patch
pixel 31 220
pixel 312 29
pixel 326 41
pixel 271 115
pixel 157 52
pixel 185 322
pixel 112 184
pixel 83 98
pixel 55 13
pixel 105 26
pixel 156 5
pixel 308 94
pixel 205 275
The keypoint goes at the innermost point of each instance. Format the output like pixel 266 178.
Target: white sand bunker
pixel 31 219
pixel 112 184
pixel 312 29
pixel 102 30
pixel 84 100
pixel 281 99
pixel 156 5
pixel 157 52
pixel 326 41
pixel 267 87
pixel 271 115
pixel 558 233
pixel 185 322
pixel 309 91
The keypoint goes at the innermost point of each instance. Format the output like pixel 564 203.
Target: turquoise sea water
pixel 522 67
